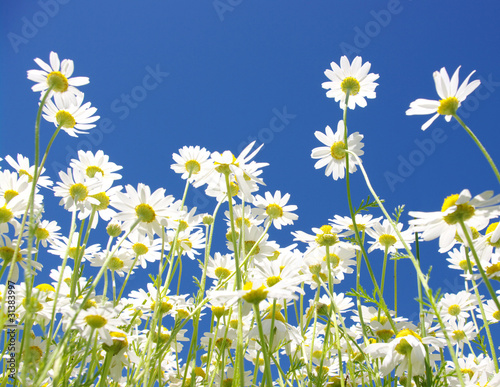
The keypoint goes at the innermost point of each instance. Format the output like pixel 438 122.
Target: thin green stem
pixel 263 345
pixel 480 146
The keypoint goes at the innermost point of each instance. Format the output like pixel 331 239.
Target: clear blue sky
pixel 223 69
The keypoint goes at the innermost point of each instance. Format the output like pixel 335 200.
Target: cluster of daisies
pixel 260 312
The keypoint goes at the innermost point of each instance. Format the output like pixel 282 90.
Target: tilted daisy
pixel 386 238
pixel 23 167
pixel 353 78
pixel 451 97
pixel 273 208
pixel 246 216
pixel 445 224
pixel 362 222
pixel 333 155
pixel 220 266
pixel 96 165
pixel 73 117
pixel 147 249
pixel 47 231
pixel 56 75
pixel 60 246
pixel 152 210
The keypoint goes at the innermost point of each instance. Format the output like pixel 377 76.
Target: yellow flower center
pixel 334 259
pixel 277 316
pixel 65 119
pixel 254 296
pixel 249 245
pixel 34 353
pixel 192 166
pixel 145 213
pixel 454 310
pixel 463 212
pixel 113 230
pixel 219 311
pixel 233 189
pixel 382 319
pixel 385 334
pixel 72 252
pixel 222 272
pixel 492 227
pixel 5 215
pixel 139 248
pixel 337 150
pixel 7 253
pixel 467 371
pixel 387 240
pixel 496 315
pixel 327 238
pixel 491 271
pixel 46 288
pixel 115 263
pixel 273 280
pixel 95 321
pixel 240 221
pixel 10 194
pixel 223 343
pixel 103 200
pixel 41 233
pixel 119 342
pixel 274 211
pixel 350 85
pixel 448 106
pixel 458 335
pixel 78 192
pixel 183 225
pixel 57 81
pixel 24 172
pixel 92 170
pixel 165 306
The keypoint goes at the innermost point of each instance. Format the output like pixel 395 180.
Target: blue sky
pixel 164 74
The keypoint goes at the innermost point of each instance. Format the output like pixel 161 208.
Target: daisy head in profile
pixel 350 79
pixel 451 96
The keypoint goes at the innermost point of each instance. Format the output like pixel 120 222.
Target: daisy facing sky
pixel 333 155
pixel 451 96
pixel 353 78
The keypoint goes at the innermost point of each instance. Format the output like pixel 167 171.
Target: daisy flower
pixel 451 96
pixel 274 209
pixel 77 191
pixel 333 155
pixel 445 224
pixel 60 246
pixel 194 161
pixel 102 319
pixel 352 78
pixel 456 306
pixel 220 266
pixel 56 75
pixel 147 249
pixel 246 216
pixel 151 209
pixel 491 311
pixel 96 165
pixel 407 344
pixel 73 117
pixel 386 238
pixel 23 167
pixel 47 231
pixel 362 222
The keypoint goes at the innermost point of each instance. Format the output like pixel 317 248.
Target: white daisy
pixel 445 224
pixel 333 155
pixel 73 117
pixel 152 210
pixel 362 222
pixel 353 78
pixel 456 306
pixel 192 160
pixel 274 209
pixel 386 238
pixel 23 167
pixel 57 76
pixel 451 97
pixel 76 191
pixel 96 165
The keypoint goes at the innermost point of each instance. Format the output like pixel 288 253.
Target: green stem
pixel 421 275
pixel 267 363
pixel 480 146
